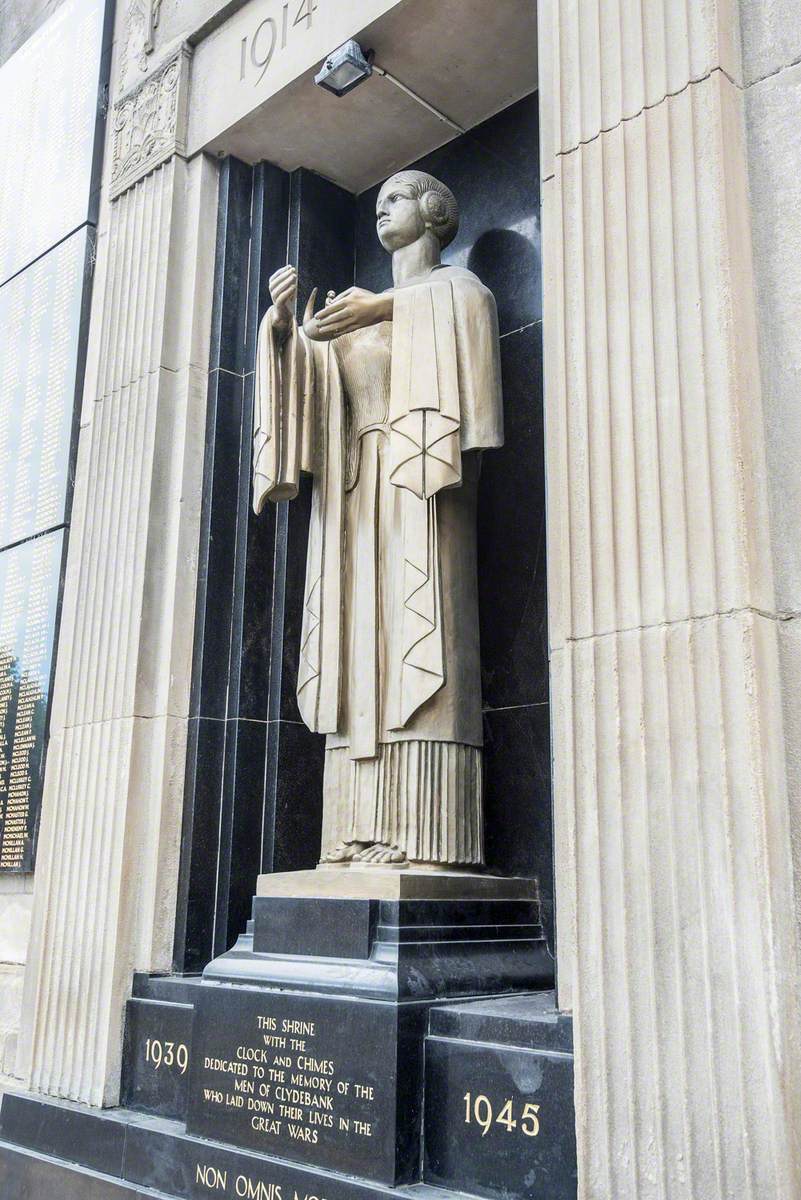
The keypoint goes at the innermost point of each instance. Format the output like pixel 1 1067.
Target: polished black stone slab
pixel 65 1131
pixel 159 1159
pixel 500 1118
pixel 334 927
pixel 28 1176
pixel 327 1081
pixel 420 950
pixel 155 1057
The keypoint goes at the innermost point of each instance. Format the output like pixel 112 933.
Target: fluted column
pixel 107 864
pixel 677 942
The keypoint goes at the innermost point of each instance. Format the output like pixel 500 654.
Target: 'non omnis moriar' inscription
pixel 237 1183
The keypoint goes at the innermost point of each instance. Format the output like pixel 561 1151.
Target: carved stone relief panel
pixel 150 122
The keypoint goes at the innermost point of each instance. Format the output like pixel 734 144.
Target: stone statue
pixel 388 401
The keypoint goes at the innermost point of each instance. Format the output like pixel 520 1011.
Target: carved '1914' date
pixel 272 34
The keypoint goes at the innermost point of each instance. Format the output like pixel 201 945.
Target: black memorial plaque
pixel 308 1078
pixel 50 89
pixel 40 327
pixel 29 588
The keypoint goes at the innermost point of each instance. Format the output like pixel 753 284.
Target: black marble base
pixel 390 950
pixel 308 1035
pixel 149 1156
pixel 156 1055
pixel 499 1099
pixel 512 1051
pixel 329 1081
pixel 304 1074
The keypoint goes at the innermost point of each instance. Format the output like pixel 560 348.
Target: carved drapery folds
pixel 150 122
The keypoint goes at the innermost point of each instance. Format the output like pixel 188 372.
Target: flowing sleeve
pixel 478 356
pixel 283 414
pixel 446 382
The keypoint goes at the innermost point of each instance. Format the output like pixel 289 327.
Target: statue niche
pixel 388 400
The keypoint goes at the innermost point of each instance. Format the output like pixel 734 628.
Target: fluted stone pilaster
pixel 675 893
pixel 108 851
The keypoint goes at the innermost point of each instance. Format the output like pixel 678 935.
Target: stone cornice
pixel 150 122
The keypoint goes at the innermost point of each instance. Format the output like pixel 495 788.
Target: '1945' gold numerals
pixel 479 1111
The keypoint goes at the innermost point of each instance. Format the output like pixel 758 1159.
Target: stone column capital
pixel 150 122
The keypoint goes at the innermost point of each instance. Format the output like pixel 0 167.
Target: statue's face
pixel 399 219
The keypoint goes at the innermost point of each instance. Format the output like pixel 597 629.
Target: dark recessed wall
pixel 253 795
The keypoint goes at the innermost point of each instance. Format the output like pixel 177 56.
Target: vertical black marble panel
pixel 321 244
pixel 200 844
pixel 297 763
pixel 517 799
pixel 321 235
pixel 231 267
pixel 207 808
pixel 246 747
pixel 511 537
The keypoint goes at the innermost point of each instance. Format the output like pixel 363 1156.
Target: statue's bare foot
pixel 343 853
pixel 381 855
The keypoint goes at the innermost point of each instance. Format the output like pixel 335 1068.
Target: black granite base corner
pixel 499 1107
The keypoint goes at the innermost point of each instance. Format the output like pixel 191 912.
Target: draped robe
pixel 389 420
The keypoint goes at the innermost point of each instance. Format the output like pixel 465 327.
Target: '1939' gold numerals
pixel 166 1054
pixel 479 1111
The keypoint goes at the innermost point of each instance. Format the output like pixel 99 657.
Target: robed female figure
pixel 388 400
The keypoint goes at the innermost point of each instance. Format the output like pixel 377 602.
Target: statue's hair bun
pixel 437 201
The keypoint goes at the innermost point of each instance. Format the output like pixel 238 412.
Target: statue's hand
pixel 352 309
pixel 283 290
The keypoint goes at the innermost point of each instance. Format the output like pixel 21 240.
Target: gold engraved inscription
pixel 287 1088
pixel 481 1112
pixel 173 1055
pixel 246 1187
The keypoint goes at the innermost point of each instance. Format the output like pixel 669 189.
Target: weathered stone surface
pixel 771 40
pixel 774 164
pixel 19 19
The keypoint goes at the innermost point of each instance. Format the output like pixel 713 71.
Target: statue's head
pixel 409 204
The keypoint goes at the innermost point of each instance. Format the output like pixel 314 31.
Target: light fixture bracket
pixel 345 68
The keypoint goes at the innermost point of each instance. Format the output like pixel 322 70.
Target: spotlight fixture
pixel 348 66
pixel 344 69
